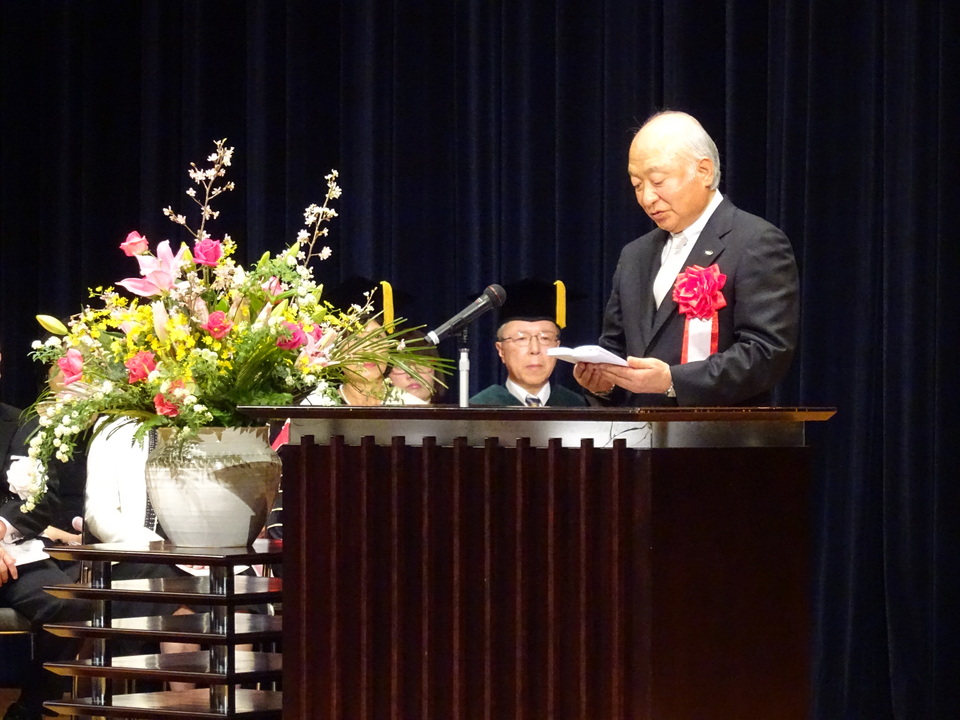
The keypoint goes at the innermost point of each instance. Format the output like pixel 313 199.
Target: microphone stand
pixel 464 368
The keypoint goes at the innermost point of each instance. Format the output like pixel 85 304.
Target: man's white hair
pixel 695 142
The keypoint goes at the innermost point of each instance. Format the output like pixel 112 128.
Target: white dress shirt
pixel 677 250
pixel 520 394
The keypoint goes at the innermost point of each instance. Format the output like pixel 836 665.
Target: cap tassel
pixel 387 305
pixel 561 304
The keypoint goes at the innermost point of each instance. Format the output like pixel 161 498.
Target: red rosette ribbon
pixel 697 291
pixel 698 295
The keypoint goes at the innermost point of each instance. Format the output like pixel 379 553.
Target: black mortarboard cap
pixel 533 299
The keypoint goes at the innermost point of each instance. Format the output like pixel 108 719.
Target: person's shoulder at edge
pixel 8 413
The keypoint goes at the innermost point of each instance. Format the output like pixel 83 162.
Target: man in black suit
pixel 21 587
pixel 706 307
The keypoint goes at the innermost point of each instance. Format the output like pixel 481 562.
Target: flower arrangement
pixel 203 335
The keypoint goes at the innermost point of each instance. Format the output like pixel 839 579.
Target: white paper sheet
pixel 586 353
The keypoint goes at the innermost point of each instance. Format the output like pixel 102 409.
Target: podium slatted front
pixel 487 581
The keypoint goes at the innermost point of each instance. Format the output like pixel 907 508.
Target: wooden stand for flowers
pixel 222 666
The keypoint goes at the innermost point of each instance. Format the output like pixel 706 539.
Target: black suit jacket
pixel 758 328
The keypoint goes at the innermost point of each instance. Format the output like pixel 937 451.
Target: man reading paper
pixel 705 308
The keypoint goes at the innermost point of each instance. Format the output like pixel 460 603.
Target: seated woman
pixel 365 384
pixel 427 386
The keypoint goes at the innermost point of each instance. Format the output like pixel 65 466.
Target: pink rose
pixel 164 406
pixel 140 366
pixel 207 252
pixel 697 291
pixel 295 339
pixel 217 325
pixel 163 403
pixel 72 366
pixel 135 244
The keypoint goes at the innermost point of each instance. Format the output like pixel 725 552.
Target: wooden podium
pixel 598 564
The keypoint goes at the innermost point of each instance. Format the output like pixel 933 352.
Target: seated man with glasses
pixel 530 322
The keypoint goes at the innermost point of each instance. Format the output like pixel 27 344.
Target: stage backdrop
pixel 480 141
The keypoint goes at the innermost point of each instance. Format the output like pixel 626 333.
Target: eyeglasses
pixel 522 339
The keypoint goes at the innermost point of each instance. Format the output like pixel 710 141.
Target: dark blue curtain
pixel 481 141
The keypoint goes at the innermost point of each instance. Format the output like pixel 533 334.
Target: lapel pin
pixel 708 252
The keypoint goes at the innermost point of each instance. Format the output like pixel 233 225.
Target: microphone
pixel 491 298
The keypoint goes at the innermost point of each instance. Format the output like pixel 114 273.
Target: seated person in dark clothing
pixel 22 583
pixel 530 323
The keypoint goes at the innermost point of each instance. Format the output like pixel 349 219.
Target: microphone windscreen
pixel 497 294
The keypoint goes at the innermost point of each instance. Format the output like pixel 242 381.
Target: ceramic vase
pixel 213 490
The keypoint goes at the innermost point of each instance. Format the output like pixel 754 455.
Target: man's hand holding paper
pixel 638 375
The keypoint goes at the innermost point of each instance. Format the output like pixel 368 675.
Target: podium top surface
pixel 639 427
pixel 536 415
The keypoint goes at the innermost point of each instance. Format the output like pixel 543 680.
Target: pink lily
pixel 273 288
pixel 160 319
pixel 72 366
pixel 159 273
pixel 315 352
